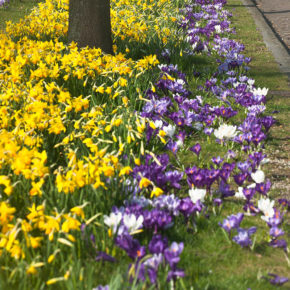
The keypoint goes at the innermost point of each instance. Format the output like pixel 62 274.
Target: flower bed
pixel 103 156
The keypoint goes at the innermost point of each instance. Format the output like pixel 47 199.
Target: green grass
pixel 213 262
pixel 266 72
pixel 264 68
pixel 15 11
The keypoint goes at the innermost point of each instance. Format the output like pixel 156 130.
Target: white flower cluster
pixel 197 194
pixel 266 206
pixel 225 132
pixel 130 221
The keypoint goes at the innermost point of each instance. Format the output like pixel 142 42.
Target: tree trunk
pixel 90 24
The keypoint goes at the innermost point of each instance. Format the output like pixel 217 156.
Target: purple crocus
pixel 244 166
pixel 101 287
pixel 172 253
pixel 174 177
pixel 208 131
pixel 240 178
pixel 276 220
pixel 157 219
pixel 224 189
pixel 275 232
pixel 197 179
pixel 196 149
pixel 152 265
pixel 175 273
pixel 249 193
pixel 226 170
pixel 186 207
pixel 158 244
pixel 243 238
pixel 277 280
pixel 102 256
pixel 250 207
pixel 263 188
pixel 268 122
pixel 275 243
pixel 217 202
pixel 211 176
pixel 284 202
pixel 231 154
pixel 131 246
pixel 169 202
pixel 172 146
pixel 217 160
pixel 232 222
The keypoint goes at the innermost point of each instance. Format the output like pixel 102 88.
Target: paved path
pixel 277 14
pixel 270 35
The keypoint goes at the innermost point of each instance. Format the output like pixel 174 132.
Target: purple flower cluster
pixel 202 177
pixel 175 115
pixel 162 254
pixel 202 22
pixel 182 114
pixel 276 280
pixel 100 287
pixel 232 222
pixel 285 203
pixel 243 238
pixel 275 232
pixel 157 215
pixel 159 173
pixel 4 3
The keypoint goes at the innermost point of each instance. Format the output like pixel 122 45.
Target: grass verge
pixel 264 68
pixel 266 72
pixel 15 11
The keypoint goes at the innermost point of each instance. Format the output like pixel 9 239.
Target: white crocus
pixel 251 82
pixel 260 92
pixel 113 220
pixel 179 143
pixel 197 194
pixel 169 130
pixel 235 84
pixel 266 206
pixel 218 29
pixel 225 131
pixel 200 100
pixel 239 194
pixel 258 176
pixel 180 82
pixel 252 185
pixel 132 223
pixel 198 126
pixel 158 123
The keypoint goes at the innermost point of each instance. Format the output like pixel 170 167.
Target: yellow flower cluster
pixel 36 219
pixel 139 20
pixel 133 20
pixel 47 21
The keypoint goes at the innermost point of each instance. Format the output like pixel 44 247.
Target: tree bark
pixel 90 24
